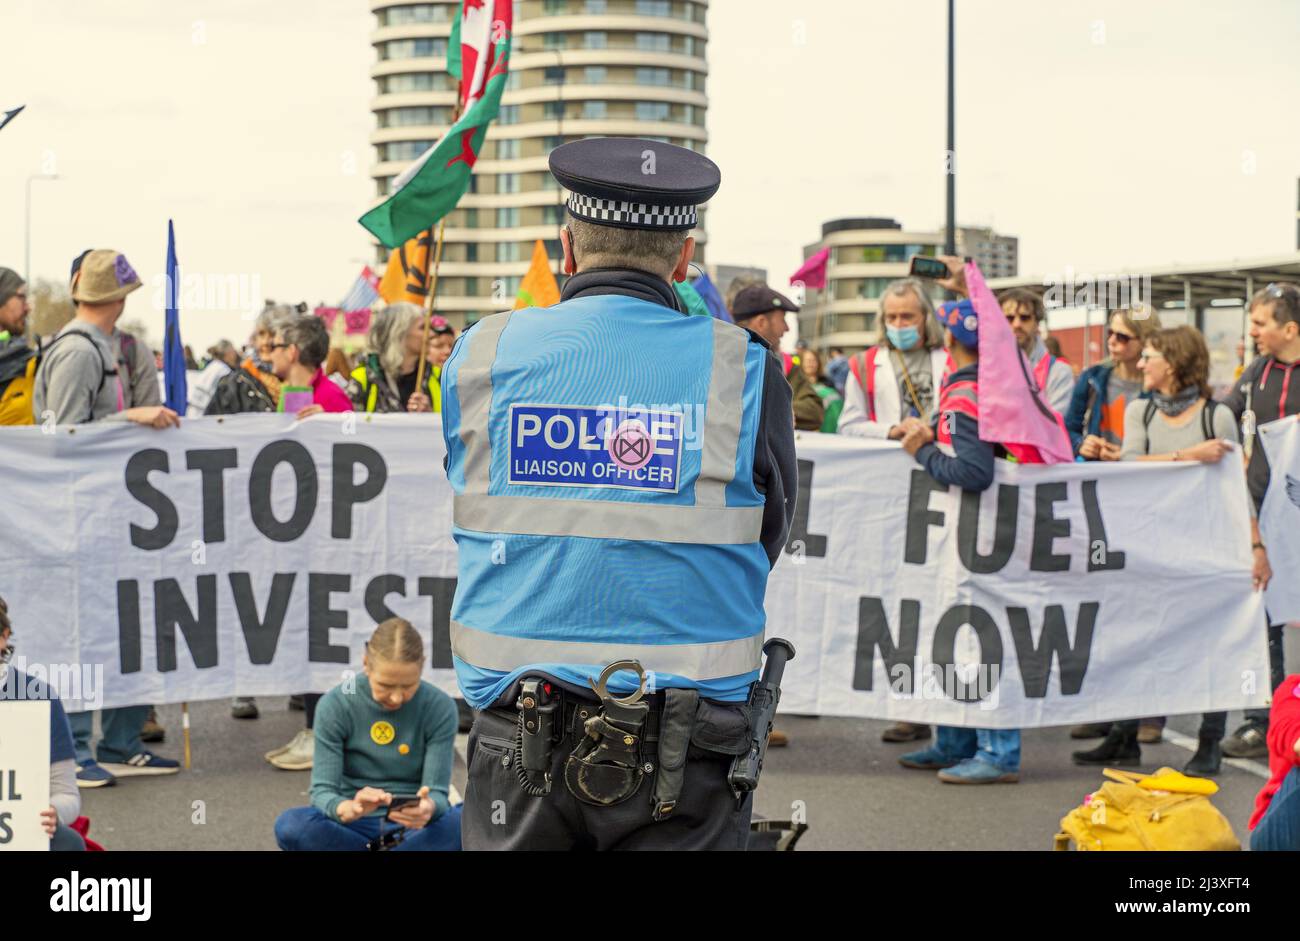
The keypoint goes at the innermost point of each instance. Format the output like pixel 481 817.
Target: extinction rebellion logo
pixel 631 446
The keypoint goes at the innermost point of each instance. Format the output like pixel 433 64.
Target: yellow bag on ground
pixel 1128 813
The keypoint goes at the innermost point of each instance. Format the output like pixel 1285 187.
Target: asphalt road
pixel 853 792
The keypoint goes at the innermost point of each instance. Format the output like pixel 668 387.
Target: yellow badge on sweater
pixel 381 733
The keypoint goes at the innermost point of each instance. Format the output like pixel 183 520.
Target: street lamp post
pixel 27 232
pixel 950 164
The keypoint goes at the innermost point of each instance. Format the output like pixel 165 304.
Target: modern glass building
pixel 579 68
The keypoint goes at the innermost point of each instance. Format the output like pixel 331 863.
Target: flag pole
pixel 431 276
pixel 431 279
pixel 185 731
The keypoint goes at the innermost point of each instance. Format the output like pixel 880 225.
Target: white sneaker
pixel 144 763
pixel 283 748
pixel 297 755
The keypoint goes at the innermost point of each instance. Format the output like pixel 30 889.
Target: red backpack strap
pixel 1043 370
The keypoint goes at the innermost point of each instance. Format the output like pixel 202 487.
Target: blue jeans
pixel 119 733
pixel 1279 828
pixel 66 840
pixel 998 747
pixel 306 828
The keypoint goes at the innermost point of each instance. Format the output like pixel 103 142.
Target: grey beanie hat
pixel 10 283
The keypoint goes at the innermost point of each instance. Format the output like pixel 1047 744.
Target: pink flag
pixel 813 271
pixel 1013 410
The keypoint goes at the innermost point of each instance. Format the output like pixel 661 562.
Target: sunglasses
pixel 1273 289
pixel 1122 337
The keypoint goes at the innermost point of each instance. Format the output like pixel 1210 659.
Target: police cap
pixel 759 299
pixel 632 183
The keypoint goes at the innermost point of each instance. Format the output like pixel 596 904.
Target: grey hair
pixel 308 333
pixel 275 317
pixel 931 334
pixel 387 337
pixel 607 246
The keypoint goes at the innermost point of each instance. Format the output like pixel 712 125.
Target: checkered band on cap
pixel 634 215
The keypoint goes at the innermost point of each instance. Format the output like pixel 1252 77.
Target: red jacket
pixel 328 395
pixel 1283 732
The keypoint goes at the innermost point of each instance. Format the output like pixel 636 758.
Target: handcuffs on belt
pixel 605 767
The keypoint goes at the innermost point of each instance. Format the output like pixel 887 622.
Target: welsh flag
pixel 478 55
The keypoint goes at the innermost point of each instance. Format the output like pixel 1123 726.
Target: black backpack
pixel 104 371
pixel 1207 420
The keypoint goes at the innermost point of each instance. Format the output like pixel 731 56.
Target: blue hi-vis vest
pixel 601 455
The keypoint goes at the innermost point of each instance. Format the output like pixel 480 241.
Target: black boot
pixel 1209 756
pixel 1120 749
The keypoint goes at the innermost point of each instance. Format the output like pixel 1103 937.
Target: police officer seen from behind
pixel 624 479
pixel 761 310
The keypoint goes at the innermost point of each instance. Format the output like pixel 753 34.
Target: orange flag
pixel 538 288
pixel 404 279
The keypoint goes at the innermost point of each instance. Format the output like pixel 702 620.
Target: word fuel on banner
pixel 899 650
pixel 261 621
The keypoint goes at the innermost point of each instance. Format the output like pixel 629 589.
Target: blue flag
pixel 174 378
pixel 712 299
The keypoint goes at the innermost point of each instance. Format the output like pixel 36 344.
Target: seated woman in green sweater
pixel 391 734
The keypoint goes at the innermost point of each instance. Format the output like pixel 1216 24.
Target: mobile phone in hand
pixel 925 267
pixel 402 800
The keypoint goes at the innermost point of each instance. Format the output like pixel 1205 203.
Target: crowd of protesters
pixel 91 371
pixel 1149 401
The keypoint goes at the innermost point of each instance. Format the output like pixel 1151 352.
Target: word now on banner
pixel 253 556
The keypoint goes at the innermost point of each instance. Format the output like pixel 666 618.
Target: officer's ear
pixel 684 260
pixel 570 264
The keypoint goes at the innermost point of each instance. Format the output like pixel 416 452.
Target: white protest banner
pixel 250 555
pixel 24 774
pixel 254 555
pixel 1279 517
pixel 1063 594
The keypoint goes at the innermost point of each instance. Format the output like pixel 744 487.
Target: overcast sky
pixel 1105 134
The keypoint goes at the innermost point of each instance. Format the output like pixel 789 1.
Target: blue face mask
pixel 905 339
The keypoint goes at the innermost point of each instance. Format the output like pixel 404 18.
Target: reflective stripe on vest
pixel 863 366
pixel 700 661
pixel 959 398
pixel 709 519
pixel 362 375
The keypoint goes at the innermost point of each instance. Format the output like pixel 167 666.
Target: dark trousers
pixel 1279 828
pixel 1213 725
pixel 499 815
pixel 309 703
pixel 1276 674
